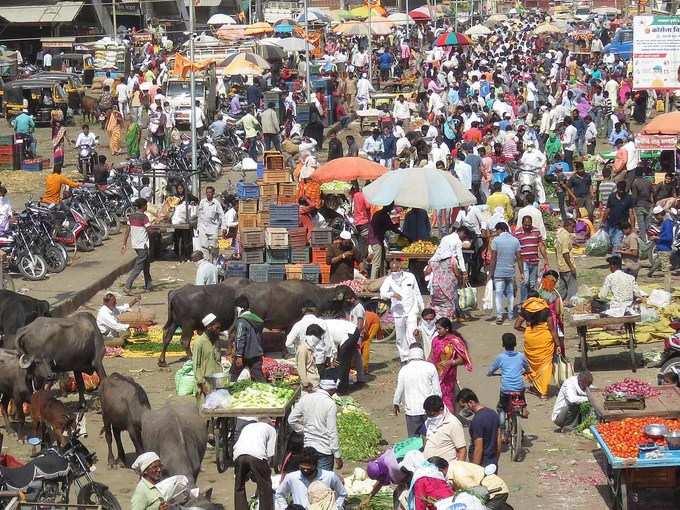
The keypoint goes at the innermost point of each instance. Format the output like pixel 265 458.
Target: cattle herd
pixel 37 347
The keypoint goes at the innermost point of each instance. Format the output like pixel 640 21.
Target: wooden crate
pixel 247 221
pixel 322 236
pixel 297 237
pixel 293 271
pixel 319 254
pixel 265 201
pixel 299 255
pixel 252 237
pixel 263 219
pixel 658 478
pixel 269 190
pixel 252 255
pixel 276 176
pixel 247 207
pixel 276 237
pixel 325 273
pixel 284 200
pixel 273 160
pixel 287 189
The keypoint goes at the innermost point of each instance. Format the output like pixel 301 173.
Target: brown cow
pixel 89 109
pixel 51 414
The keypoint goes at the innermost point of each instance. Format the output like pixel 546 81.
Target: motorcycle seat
pixel 6 240
pixel 44 467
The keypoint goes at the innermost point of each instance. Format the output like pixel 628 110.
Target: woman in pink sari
pixel 449 350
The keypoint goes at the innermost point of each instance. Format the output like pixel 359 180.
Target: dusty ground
pixel 558 472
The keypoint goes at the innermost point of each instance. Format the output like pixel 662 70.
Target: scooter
pixel 87 158
pixel 670 362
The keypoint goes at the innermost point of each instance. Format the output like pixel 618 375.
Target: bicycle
pixel 513 435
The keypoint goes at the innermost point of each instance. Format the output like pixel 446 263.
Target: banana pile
pixel 421 248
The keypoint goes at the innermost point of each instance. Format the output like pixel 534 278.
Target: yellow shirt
pixel 53 184
pixel 499 199
pixel 563 244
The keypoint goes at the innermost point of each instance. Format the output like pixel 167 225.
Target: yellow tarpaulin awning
pixel 183 65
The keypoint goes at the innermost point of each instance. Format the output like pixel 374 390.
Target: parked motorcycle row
pixel 42 236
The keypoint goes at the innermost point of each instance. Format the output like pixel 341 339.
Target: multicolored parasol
pixel 452 39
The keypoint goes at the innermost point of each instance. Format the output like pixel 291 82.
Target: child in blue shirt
pixel 512 365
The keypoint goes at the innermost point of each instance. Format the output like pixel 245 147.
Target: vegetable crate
pixel 293 271
pixel 236 269
pixel 276 176
pixel 268 190
pixel 276 237
pixel 258 272
pixel 325 273
pixel 319 254
pixel 263 219
pixel 284 216
pixel 299 255
pixel 311 273
pixel 246 190
pixel 247 221
pixel 265 201
pixel 252 255
pixel 277 255
pixel 276 272
pixel 32 165
pixel 273 161
pixel 286 200
pixel 287 189
pixel 322 236
pixel 7 140
pixel 252 237
pixel 297 237
pixel 247 207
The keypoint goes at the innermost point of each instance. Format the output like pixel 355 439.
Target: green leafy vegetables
pixel 359 436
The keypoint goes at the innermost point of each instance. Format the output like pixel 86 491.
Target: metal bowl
pixel 219 380
pixel 673 440
pixel 655 430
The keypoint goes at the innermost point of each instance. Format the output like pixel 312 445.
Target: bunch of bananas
pixel 421 248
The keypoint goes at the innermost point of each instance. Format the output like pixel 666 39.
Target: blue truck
pixel 621 44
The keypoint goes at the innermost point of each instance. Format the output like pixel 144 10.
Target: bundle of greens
pixel 588 418
pixel 359 436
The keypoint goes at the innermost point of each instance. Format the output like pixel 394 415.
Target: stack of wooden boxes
pixel 7 153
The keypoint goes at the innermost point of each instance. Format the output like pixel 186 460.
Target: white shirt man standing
pixel 253 451
pixel 401 288
pixel 122 94
pixel 107 316
pixel 210 216
pixel 417 380
pixel 206 271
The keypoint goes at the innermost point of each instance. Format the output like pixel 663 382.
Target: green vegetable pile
pixel 250 394
pixel 550 221
pixel 359 436
pixel 588 418
pixel 550 241
pixel 340 186
pixel 381 501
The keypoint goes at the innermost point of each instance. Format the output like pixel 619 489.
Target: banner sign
pixel 656 52
pixel 655 142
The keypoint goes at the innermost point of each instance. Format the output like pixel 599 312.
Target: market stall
pixel 664 402
pixel 641 453
pixel 589 324
pixel 250 399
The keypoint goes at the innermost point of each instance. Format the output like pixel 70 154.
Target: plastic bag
pixel 487 302
pixel 598 245
pixel 185 383
pixel 467 298
pixel 218 399
pixel 659 298
pixel 648 314
pixel 562 370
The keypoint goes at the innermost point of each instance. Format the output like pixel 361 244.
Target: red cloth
pixel 431 488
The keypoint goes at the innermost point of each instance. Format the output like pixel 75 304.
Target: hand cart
pixel 223 423
pixel 626 475
pixel 585 325
pixel 666 405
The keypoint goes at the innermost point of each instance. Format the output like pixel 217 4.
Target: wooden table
pixel 666 405
pixel 371 116
pixel 588 322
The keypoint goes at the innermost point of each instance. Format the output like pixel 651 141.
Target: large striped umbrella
pixel 248 57
pixel 452 39
pixel 424 13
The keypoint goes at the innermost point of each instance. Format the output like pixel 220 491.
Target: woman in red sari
pixel 449 350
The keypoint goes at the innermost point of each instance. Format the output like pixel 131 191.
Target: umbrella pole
pixel 309 95
pixel 408 25
pixel 370 50
pixel 195 182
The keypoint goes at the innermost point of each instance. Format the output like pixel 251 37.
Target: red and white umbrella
pixel 424 13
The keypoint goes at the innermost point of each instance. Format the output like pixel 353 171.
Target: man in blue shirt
pixel 24 126
pixel 513 365
pixel 618 133
pixel 385 61
pixel 664 246
pixel 505 255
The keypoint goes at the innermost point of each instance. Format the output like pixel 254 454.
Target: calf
pixel 50 413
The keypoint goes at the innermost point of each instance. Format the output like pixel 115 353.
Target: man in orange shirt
pixel 620 162
pixel 474 134
pixel 309 199
pixel 53 184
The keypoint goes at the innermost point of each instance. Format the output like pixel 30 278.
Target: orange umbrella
pixel 666 124
pixel 349 169
pixel 261 27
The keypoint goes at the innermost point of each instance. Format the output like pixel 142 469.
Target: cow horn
pixel 25 361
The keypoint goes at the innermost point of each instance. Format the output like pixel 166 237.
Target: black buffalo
pixel 17 310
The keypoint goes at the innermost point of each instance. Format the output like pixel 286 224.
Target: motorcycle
pixel 207 159
pixel 21 252
pixel 48 478
pixel 87 158
pixel 670 361
pixel 55 254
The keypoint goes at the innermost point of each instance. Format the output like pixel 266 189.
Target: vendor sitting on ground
pixel 107 317
pixel 619 288
pixel 574 392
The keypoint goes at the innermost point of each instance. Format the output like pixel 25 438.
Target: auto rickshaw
pixel 39 96
pixel 81 64
pixel 74 86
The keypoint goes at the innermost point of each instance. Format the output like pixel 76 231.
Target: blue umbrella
pixel 283 28
pixel 424 188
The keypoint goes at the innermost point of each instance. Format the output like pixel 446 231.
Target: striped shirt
pixel 606 188
pixel 139 237
pixel 528 244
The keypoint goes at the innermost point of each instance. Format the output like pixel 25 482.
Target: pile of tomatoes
pixel 623 437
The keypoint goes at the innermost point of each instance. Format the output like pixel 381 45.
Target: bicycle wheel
pixel 515 438
pixel 221 433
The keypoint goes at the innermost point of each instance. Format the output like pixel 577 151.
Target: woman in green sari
pixel 133 136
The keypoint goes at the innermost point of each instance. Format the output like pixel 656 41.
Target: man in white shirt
pixel 253 451
pixel 535 215
pixel 315 417
pixel 434 103
pixel 47 61
pixel 401 111
pixel 573 393
pixel 534 161
pixel 122 94
pixel 591 135
pixel 619 288
pixel 210 217
pixel 107 317
pixel 444 435
pixel 401 288
pixel 463 171
pixel 297 333
pixel 206 271
pixel 344 337
pixel 364 89
pixel 86 138
pixel 295 485
pixel 200 117
pixel 417 380
pixel 569 141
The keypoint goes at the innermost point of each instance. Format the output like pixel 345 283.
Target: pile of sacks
pixel 107 53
